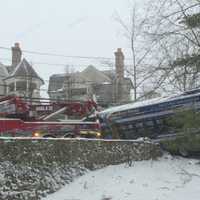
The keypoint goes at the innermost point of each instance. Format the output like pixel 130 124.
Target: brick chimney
pixel 16 55
pixel 119 63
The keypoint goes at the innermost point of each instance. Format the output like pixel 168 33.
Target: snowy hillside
pixel 168 178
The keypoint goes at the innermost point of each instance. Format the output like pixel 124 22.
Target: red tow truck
pixel 20 118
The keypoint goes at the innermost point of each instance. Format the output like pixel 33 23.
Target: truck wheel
pixel 69 135
pixel 49 136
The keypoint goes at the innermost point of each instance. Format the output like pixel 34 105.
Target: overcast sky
pixel 76 27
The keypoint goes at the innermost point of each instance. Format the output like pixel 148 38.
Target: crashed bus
pixel 147 118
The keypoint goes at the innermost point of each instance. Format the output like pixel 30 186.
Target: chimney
pixel 16 55
pixel 119 63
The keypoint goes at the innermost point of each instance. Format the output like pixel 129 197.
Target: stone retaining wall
pixel 30 169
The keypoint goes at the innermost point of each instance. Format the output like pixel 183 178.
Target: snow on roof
pixel 154 101
pixel 106 83
pixel 132 105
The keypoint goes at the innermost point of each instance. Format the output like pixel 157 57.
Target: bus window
pixel 139 124
pixel 149 123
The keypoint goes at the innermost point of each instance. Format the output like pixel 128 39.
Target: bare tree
pixel 141 70
pixel 69 81
pixel 175 26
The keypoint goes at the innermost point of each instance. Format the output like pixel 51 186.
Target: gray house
pixel 19 78
pixel 106 87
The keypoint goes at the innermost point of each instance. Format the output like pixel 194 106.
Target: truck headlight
pixel 98 134
pixel 36 134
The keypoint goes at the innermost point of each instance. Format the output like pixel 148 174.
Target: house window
pixel 11 87
pixel 79 91
pixel 21 86
pixel 32 86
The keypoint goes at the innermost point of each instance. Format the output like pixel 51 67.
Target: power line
pixel 56 64
pixel 40 63
pixel 59 55
pixel 60 64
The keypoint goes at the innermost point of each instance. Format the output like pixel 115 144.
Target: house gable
pixel 94 75
pixel 24 69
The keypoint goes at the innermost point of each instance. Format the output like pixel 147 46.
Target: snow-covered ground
pixel 166 179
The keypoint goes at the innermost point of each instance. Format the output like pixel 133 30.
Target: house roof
pixel 94 75
pixel 24 69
